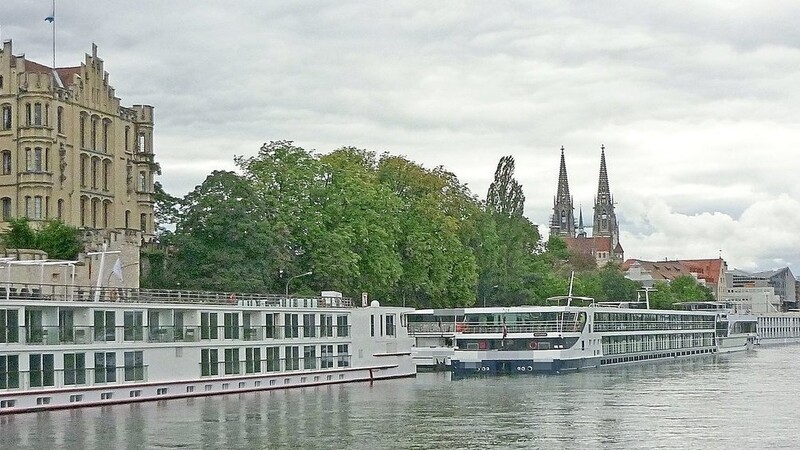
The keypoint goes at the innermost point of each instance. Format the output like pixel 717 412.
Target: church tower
pixel 563 220
pixel 605 220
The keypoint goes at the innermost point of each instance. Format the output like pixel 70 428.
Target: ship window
pixel 105 367
pixel 74 368
pixel 209 362
pixel 9 371
pixel 41 370
pixel 231 361
pixel 342 328
pixel 390 328
pixel 106 395
pixel 326 356
pixel 252 360
pixel 310 357
pixel 231 321
pixel 74 398
pixel 42 401
pixel 273 359
pixel 134 366
pixel 343 355
pixel 292 357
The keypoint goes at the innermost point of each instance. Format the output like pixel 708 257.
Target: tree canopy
pixel 362 222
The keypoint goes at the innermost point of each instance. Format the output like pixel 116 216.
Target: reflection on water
pixel 742 400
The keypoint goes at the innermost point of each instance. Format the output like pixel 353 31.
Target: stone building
pixel 70 151
pixel 603 245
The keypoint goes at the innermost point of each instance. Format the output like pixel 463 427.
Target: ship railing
pixel 553 326
pixel 88 334
pixel 59 292
pixel 649 325
pixel 431 327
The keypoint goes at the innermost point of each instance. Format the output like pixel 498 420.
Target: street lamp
pixel 292 278
pixel 490 291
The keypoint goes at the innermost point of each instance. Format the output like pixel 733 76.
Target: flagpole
pixel 54 34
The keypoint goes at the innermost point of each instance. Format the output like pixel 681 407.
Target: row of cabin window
pixel 42 370
pixel 34 117
pixel 272 361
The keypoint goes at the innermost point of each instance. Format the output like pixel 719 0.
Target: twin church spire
pixel 604 222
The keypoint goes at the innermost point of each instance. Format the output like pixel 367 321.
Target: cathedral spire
pixel 563 183
pixel 605 218
pixel 602 186
pixel 581 230
pixel 563 221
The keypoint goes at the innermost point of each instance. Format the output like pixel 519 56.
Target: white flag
pixel 117 270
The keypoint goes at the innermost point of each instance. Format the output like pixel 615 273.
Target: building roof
pixel 705 269
pixel 708 269
pixel 589 245
pixel 65 74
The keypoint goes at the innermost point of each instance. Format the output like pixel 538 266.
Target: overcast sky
pixel 696 102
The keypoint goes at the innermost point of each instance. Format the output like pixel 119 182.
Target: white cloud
pixel 697 105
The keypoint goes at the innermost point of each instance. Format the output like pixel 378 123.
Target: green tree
pixel 436 225
pixel 20 234
pixel 353 244
pixel 220 237
pixel 59 240
pixel 686 288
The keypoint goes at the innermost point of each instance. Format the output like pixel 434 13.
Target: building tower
pixel 563 221
pixel 581 229
pixel 605 220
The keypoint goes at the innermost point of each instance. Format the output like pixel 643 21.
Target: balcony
pixel 35 133
pixel 35 178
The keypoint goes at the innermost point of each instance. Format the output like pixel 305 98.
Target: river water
pixel 736 401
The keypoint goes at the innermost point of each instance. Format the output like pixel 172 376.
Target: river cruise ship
pixel 555 339
pixel 779 328
pixel 67 346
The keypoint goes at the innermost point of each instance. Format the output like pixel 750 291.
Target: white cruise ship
pixel 64 346
pixel 555 339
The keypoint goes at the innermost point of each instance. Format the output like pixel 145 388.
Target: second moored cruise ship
pixel 555 339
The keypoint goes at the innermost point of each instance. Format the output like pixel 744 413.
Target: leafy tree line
pixel 360 222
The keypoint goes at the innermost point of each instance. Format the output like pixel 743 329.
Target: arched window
pixel 127 219
pixel 106 173
pixel 127 138
pixel 83 130
pixel 141 142
pixel 27 114
pixel 106 131
pixel 84 210
pixel 7 117
pixel 95 164
pixel 6 162
pixel 6 209
pixel 142 181
pixel 1 82
pixel 84 163
pixel 60 120
pixel 94 133
pixel 143 222
pixel 95 211
pixel 37 114
pixel 60 210
pixel 106 213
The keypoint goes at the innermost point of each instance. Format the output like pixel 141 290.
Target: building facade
pixel 70 151
pixel 603 245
